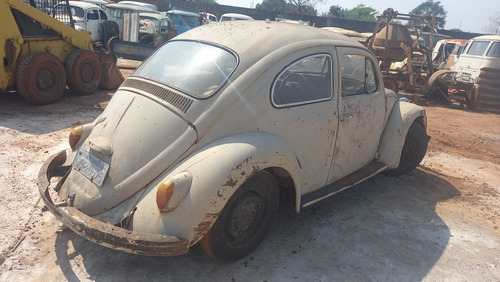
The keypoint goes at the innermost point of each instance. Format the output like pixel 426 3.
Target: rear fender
pixel 216 172
pixel 391 143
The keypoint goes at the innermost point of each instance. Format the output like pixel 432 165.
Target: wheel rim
pixel 245 218
pixel 44 79
pixel 87 73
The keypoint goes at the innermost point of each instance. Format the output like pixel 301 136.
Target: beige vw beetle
pixel 197 145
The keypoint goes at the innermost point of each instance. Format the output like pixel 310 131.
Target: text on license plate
pixel 91 166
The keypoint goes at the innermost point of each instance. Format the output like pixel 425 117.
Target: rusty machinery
pixel 392 43
pixel 42 55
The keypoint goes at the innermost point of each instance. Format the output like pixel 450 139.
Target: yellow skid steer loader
pixel 42 55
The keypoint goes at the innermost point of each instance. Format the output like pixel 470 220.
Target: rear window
pixel 195 68
pixel 478 48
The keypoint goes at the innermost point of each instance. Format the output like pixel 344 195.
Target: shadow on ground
pixel 385 228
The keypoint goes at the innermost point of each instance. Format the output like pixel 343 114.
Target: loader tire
pixel 84 73
pixel 40 78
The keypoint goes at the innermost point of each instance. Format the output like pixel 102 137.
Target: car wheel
pixel 245 219
pixel 414 150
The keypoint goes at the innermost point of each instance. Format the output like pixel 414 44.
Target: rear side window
pixel 306 80
pixel 477 48
pixel 358 75
pixel 494 50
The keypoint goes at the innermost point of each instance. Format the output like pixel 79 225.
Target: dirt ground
pixel 439 222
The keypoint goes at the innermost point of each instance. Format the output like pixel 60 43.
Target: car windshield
pixel 197 69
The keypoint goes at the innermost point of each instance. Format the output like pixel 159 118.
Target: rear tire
pixel 83 70
pixel 245 219
pixel 414 150
pixel 40 78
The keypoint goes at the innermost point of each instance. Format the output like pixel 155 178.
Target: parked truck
pixel 473 80
pixel 41 56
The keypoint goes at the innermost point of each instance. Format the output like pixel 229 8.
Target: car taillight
pixel 164 193
pixel 74 136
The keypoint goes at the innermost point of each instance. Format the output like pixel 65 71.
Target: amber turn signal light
pixel 74 136
pixel 164 193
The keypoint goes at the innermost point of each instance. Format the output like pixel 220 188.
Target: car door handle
pixel 345 117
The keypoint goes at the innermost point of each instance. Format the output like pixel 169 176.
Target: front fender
pixel 391 143
pixel 217 171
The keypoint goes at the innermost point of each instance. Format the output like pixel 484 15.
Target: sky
pixel 469 16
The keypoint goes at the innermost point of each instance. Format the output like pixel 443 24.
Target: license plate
pixel 91 166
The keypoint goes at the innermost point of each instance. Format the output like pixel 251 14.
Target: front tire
pixel 414 150
pixel 244 220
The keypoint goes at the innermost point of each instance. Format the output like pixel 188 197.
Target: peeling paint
pixel 231 182
pixel 204 226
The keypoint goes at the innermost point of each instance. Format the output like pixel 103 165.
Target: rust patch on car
pixel 231 182
pixel 239 170
pixel 204 226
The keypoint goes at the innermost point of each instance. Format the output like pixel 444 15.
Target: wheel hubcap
pixel 245 217
pixel 44 80
pixel 87 73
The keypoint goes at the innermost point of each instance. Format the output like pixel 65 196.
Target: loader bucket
pixel 111 75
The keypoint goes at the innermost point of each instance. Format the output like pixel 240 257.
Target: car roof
pixel 180 12
pixel 234 15
pixel 153 15
pixel 132 7
pixel 81 4
pixel 141 4
pixel 452 40
pixel 259 38
pixel 487 37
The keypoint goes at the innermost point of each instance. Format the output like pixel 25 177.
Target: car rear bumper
pixel 99 232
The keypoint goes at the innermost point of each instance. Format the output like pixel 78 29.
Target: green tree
pixel 434 8
pixel 337 11
pixel 278 6
pixel 301 7
pixel 362 12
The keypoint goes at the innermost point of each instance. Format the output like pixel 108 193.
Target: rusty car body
pixel 198 144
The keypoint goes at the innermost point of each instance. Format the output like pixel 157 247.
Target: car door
pixel 361 113
pixel 93 24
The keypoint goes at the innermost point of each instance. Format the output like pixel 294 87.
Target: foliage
pixel 360 12
pixel 494 26
pixel 434 8
pixel 337 12
pixel 278 6
pixel 301 7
